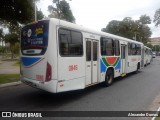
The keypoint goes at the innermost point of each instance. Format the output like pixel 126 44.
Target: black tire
pixel 109 78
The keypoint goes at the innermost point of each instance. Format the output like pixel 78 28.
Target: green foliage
pixel 61 11
pixel 11 38
pixel 130 29
pixel 40 15
pixel 14 43
pixel 14 13
pixel 156 48
pixel 2 49
pixel 149 45
pixel 157 17
pixel 1 32
pixel 15 48
pixel 18 11
pixel 144 19
pixel 1 35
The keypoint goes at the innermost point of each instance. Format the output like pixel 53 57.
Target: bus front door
pixel 91 61
pixel 123 59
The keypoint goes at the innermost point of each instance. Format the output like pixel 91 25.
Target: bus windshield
pixel 34 38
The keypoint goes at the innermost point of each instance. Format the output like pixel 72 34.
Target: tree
pixel 17 11
pixel 40 15
pixel 144 19
pixel 149 45
pixel 157 17
pixel 131 29
pixel 61 11
pixel 1 36
pixel 14 13
pixel 13 40
pixel 1 33
pixel 156 48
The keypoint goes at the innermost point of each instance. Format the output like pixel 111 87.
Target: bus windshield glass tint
pixel 34 38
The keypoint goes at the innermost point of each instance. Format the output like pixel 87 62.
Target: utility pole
pixel 135 36
pixel 57 5
pixel 35 9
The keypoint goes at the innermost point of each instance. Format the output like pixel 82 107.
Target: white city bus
pixel 59 56
pixel 147 55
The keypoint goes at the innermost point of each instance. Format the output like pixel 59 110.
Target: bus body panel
pixel 91 49
pixel 110 62
pixel 133 62
pixel 70 72
pixel 52 50
pixel 34 42
pixel 50 86
pixel 71 68
pixel 34 67
pixel 73 84
pixel 147 55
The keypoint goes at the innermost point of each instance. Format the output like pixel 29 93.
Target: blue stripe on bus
pixel 28 61
pixel 103 67
pixel 118 66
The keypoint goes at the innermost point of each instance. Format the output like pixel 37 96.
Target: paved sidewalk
pixel 7 67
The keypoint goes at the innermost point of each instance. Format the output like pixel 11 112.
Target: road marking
pixel 156 113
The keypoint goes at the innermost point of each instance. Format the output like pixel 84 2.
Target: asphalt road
pixel 135 92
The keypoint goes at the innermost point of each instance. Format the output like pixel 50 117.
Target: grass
pixel 158 118
pixel 17 63
pixel 7 78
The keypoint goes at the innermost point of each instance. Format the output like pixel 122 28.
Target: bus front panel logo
pixel 29 33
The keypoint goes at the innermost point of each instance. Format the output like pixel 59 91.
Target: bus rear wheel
pixel 109 78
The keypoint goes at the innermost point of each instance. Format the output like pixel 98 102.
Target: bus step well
pixel 123 74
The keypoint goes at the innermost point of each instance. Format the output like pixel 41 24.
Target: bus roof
pixel 147 47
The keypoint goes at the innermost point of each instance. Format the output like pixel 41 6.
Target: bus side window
pixel 133 49
pixel 88 51
pixel 70 43
pixel 107 48
pixel 138 49
pixel 116 47
pixel 129 49
pixel 64 39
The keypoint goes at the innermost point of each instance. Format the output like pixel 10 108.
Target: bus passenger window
pixel 88 51
pixel 133 49
pixel 138 49
pixel 70 43
pixel 129 49
pixel 116 48
pixel 107 48
pixel 95 51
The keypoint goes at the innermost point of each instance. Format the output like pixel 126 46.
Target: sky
pixel 96 14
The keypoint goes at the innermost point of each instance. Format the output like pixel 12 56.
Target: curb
pixel 10 84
